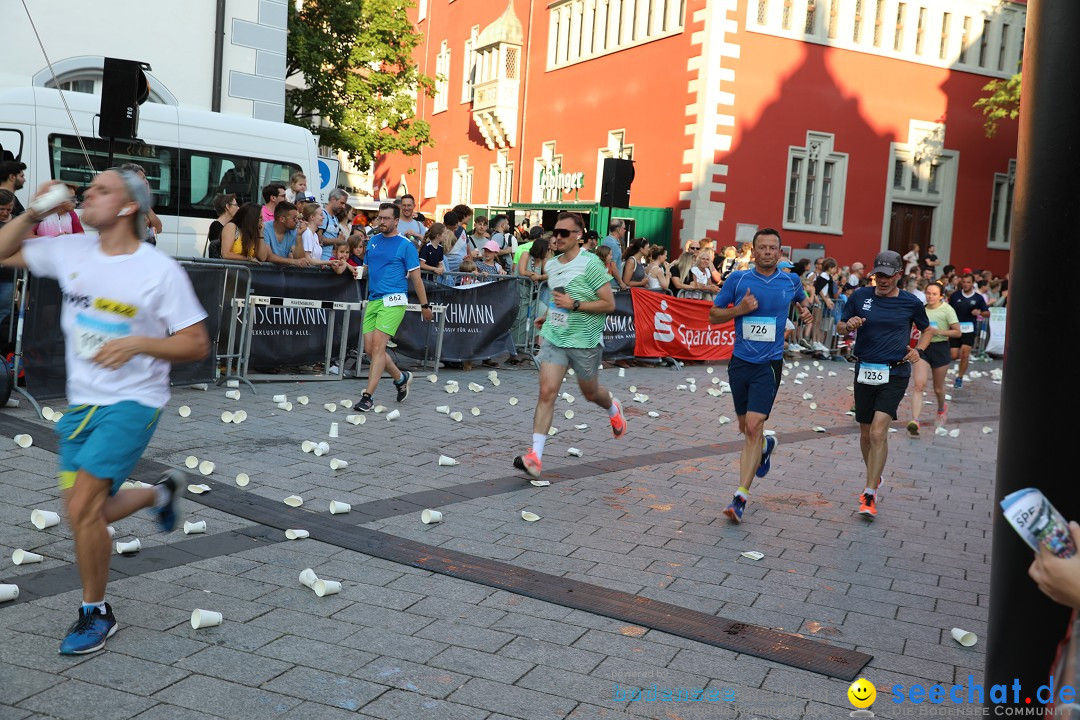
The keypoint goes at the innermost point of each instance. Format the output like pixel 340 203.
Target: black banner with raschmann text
pixel 619 329
pixel 478 322
pixel 297 335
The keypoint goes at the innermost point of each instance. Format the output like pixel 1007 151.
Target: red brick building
pixel 846 124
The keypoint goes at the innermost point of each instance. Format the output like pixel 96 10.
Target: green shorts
pixel 384 319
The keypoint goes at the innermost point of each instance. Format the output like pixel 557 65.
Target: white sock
pixel 162 495
pixel 539 439
pixel 870 491
pixel 99 606
pixel 614 409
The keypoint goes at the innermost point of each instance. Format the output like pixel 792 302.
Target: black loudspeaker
pixel 615 185
pixel 124 88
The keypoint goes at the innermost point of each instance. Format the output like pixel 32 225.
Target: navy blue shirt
pixel 886 333
pixel 774 294
pixel 964 305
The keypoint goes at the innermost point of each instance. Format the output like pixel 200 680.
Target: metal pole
pixel 1025 625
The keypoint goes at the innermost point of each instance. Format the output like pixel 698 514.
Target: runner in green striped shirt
pixel 571 332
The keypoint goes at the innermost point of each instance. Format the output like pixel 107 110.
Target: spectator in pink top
pixel 272 194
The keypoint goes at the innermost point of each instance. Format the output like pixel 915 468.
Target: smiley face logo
pixel 862 693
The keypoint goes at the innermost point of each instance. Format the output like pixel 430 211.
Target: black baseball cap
pixel 887 263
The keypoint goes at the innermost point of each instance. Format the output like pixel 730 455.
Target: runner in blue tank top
pixel 758 301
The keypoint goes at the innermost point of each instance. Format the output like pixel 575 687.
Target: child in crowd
pixel 357 247
pixel 468 266
pixel 312 247
pixel 339 262
pixel 297 186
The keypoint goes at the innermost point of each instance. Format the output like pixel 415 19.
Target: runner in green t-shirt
pixel 935 359
pixel 571 332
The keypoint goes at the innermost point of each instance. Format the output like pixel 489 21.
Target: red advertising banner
pixel 678 328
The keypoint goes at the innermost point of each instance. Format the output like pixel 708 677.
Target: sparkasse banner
pixel 678 328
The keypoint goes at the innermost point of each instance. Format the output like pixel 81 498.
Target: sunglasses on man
pixel 563 232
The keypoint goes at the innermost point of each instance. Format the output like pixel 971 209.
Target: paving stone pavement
pixel 401 642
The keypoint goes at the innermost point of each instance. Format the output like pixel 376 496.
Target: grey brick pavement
pixel 400 642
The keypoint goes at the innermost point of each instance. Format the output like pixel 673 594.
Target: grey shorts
pixel 585 361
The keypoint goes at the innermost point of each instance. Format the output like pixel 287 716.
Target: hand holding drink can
pixel 1038 522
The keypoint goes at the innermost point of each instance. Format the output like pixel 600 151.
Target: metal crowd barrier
pixel 236 285
pixel 436 309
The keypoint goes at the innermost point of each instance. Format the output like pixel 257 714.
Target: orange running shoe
pixel 618 422
pixel 868 505
pixel 529 462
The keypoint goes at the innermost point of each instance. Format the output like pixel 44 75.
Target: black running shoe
pixel 366 403
pixel 402 386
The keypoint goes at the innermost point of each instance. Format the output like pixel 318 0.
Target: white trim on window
pixel 461 186
pixel 977 36
pixel 469 66
pixel 442 79
pixel 548 162
pixel 814 187
pixel 1001 207
pixel 501 179
pixel 580 30
pixel 431 180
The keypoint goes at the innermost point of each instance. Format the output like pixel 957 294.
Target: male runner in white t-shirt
pixel 129 312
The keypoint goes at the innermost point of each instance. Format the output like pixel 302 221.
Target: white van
pixel 189 155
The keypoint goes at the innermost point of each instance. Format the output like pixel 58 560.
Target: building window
pixel 943 49
pixel 762 12
pixel 1002 46
pixel 461 183
pixel 549 162
pixel 965 40
pixel 501 180
pixel 786 20
pixel 856 28
pixel 811 16
pixel 899 171
pixel 583 29
pixel 468 80
pixel 919 30
pixel 984 41
pixel 431 180
pixel 834 13
pixel 1001 208
pixel 815 186
pixel 878 21
pixel 898 38
pixel 442 78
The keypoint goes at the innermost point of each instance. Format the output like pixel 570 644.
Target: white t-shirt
pixel 312 246
pixel 106 297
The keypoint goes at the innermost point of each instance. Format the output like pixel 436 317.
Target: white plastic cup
pixel 184 411
pixel 286 406
pixel 242 479
pixel 333 430
pixel 233 394
pixel 296 534
pixel 47 412
pixel 446 460
pixel 280 398
pixel 964 637
pixel 57 416
pixel 337 464
pixel 191 462
pixel 226 417
pixel 294 501
pixel 200 386
pixel 303 399
pixel 194 528
pixel 129 547
pixel 8 592
pixel 24 441
pixel 308 577
pixel 22 557
pixel 44 519
pixel 393 415
pixel 430 517
pixel 573 451
pixel 232 383
pixel 206 467
pixel 457 417
pixel 356 419
pixel 323 588
pixel 444 409
pixel 332 407
pixel 112 531
pixel 307 446
pixel 239 416
pixel 324 446
pixel 338 508
pixel 475 411
pixel 347 404
pixel 205 619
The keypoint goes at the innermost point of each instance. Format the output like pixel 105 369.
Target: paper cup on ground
pixel 198 489
pixel 232 383
pixel 573 451
pixel 280 398
pixel 191 461
pixel 356 419
pixel 307 446
pixel 112 531
pixel 447 460
pixel 332 407
pixel 338 508
pixel 529 516
pixel 184 411
pixel 540 483
pixel 239 416
pixel 444 409
pixel 233 394
pixel 294 501
pixel 8 592
pixel 57 416
pixel 433 378
pixel 429 517
pixel 964 637
pixel 323 588
pixel 303 399
pixel 47 413
pixel 129 547
pixel 206 467
pixel 393 415
pixel 337 464
pixel 205 619
pixel 475 411
pixel 513 401
pixel 24 441
pixel 226 417
pixel 379 409
pixel 23 557
pixel 347 404
pixel 333 430
pixel 308 577
pixel 456 416
pixel 242 479
pixel 44 519
pixel 296 534
pixel 194 528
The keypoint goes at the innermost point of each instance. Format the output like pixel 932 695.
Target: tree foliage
pixel 1002 103
pixel 359 83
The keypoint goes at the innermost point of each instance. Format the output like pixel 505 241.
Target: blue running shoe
pixel 168 513
pixel 770 444
pixel 89 632
pixel 735 509
pixel 958 383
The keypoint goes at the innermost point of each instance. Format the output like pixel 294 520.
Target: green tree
pixel 359 83
pixel 1003 102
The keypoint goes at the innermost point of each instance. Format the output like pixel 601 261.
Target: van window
pixel 69 164
pixel 10 144
pixel 205 174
